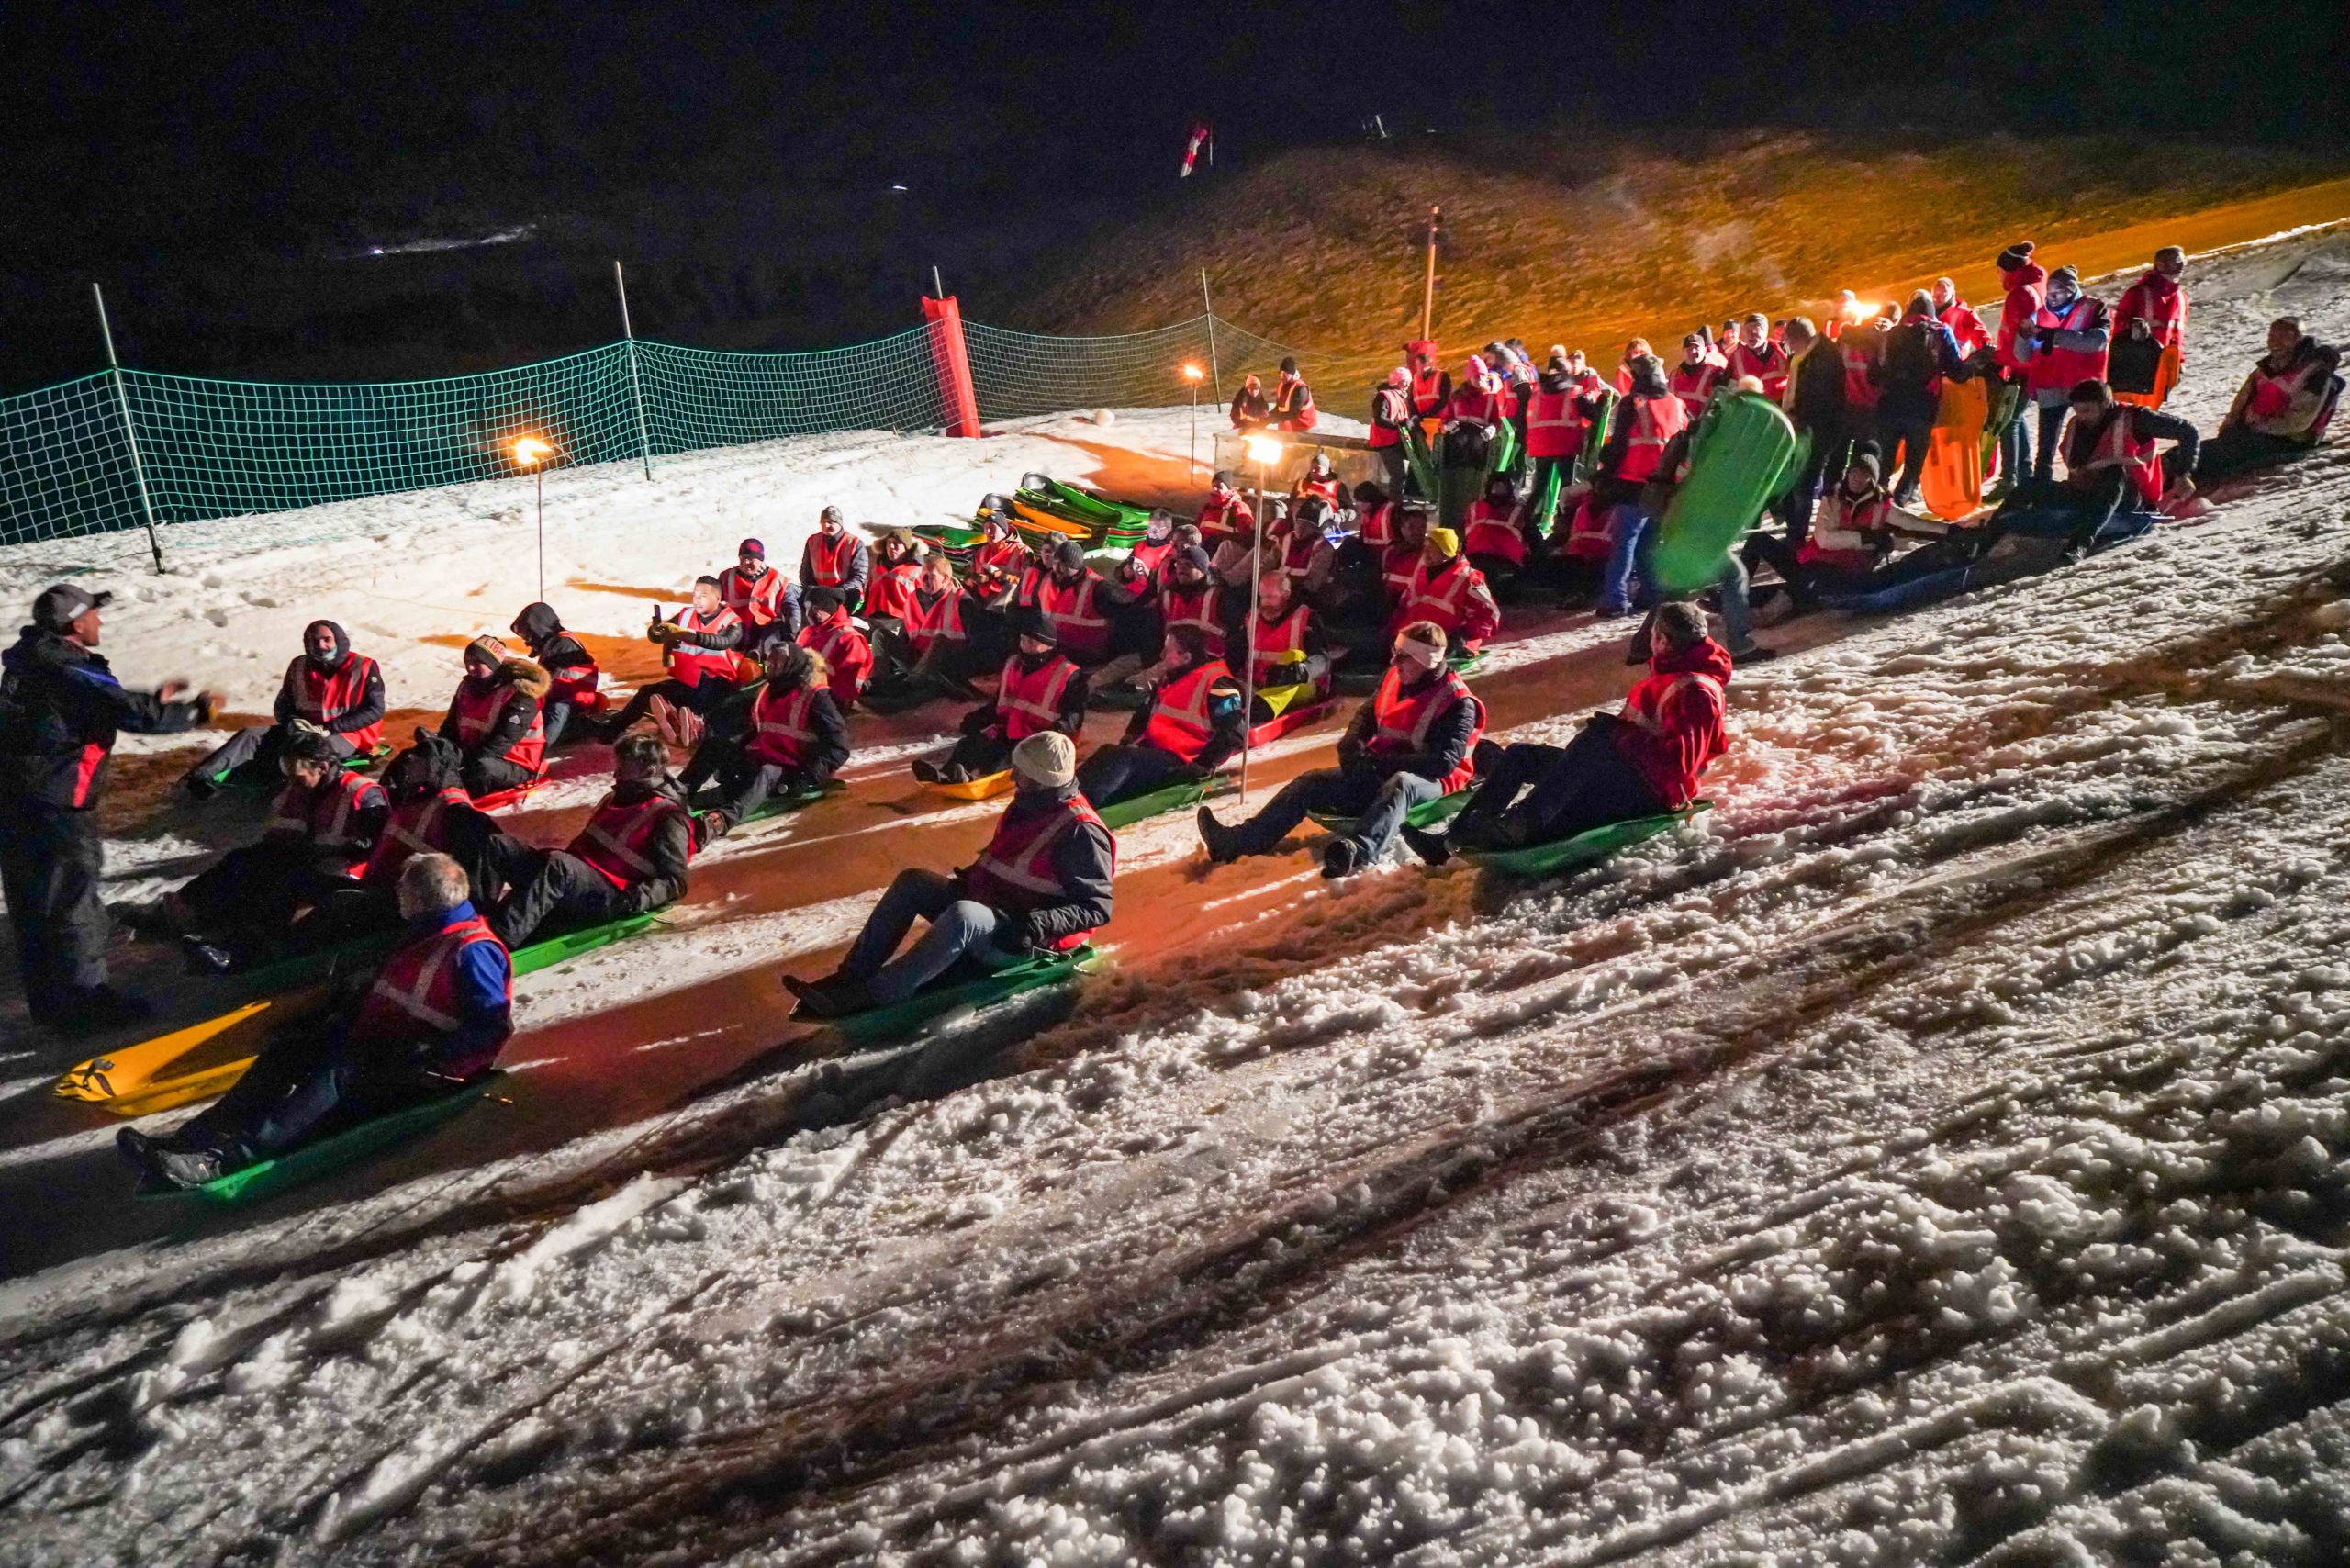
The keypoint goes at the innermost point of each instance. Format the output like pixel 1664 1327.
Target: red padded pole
pixel 961 401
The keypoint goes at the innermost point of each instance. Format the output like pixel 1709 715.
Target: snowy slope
pixel 1940 1159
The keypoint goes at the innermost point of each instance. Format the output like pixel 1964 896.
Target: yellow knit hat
pixel 1446 542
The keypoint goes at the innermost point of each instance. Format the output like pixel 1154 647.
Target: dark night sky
pixel 149 141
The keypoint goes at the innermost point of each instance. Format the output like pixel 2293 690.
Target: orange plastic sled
pixel 1950 484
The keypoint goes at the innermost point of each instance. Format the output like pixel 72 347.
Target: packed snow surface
pixel 1941 1155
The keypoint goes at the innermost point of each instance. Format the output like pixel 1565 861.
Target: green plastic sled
pixel 1584 849
pixel 1587 460
pixel 792 801
pixel 1427 813
pixel 963 986
pixel 307 1162
pixel 1173 797
pixel 1739 457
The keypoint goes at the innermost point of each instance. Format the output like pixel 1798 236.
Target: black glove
pixel 1028 934
pixel 1351 752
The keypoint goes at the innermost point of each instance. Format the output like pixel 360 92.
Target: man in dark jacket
pixel 59 710
pixel 571 669
pixel 783 734
pixel 2282 409
pixel 1815 403
pixel 1042 885
pixel 2111 466
pixel 1917 354
pixel 1410 744
pixel 700 639
pixel 1189 725
pixel 836 557
pixel 328 687
pixel 1041 688
pixel 629 858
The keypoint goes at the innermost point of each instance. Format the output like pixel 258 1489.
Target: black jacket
pixel 370 710
pixel 60 709
pixel 1818 397
pixel 1082 864
pixel 553 647
pixel 1227 721
pixel 990 717
pixel 732 729
pixel 668 850
pixel 1448 749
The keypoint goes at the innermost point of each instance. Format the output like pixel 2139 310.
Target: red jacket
pixel 1673 719
pixel 2026 288
pixel 2159 302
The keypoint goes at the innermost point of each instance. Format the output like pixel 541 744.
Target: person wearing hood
pixel 1067 594
pixel 2282 409
pixel 430 814
pixel 1187 726
pixel 787 735
pixel 1043 885
pixel 1249 410
pixel 899 569
pixel 1292 405
pixel 759 595
pixel 2070 336
pixel 1431 386
pixel 1642 761
pixel 1918 353
pixel 1226 512
pixel 320 831
pixel 1040 689
pixel 629 858
pixel 836 557
pixel 1391 410
pixel 2150 325
pixel 1307 550
pixel 2111 466
pixel 699 646
pixel 494 720
pixel 2026 283
pixel 60 707
pixel 1410 744
pixel 327 687
pixel 1319 479
pixel 571 698
pixel 1633 455
pixel 1634 352
pixel 833 637
pixel 436 1013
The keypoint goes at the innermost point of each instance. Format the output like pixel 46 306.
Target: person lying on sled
pixel 1641 762
pixel 1042 885
pixel 433 1015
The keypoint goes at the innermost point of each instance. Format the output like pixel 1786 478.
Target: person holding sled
pixel 1641 762
pixel 493 720
pixel 434 1014
pixel 1042 885
pixel 2149 348
pixel 788 735
pixel 1412 742
pixel 328 687
pixel 629 858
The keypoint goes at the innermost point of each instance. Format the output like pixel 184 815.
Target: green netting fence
pixel 222 449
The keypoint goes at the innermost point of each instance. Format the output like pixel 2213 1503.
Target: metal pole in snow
pixel 1248 672
pixel 539 472
pixel 130 430
pixel 1427 290
pixel 937 284
pixel 1216 375
pixel 636 391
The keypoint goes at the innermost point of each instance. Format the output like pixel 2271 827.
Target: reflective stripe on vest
pixel 420 981
pixel 1014 872
pixel 1030 700
pixel 1193 607
pixel 287 815
pixel 690 664
pixel 1402 723
pixel 1441 604
pixel 780 733
pixel 413 829
pixel 1178 711
pixel 1281 641
pixel 1070 611
pixel 753 598
pixel 1493 533
pixel 477 714
pixel 617 834
pixel 322 699
pixel 828 558
pixel 926 623
pixel 1655 421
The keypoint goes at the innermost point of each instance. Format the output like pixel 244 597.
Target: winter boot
pixel 928 771
pixel 1341 857
pixel 207 960
pixel 1224 843
pixel 1429 845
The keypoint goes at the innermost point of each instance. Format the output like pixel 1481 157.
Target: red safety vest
pixel 1402 722
pixel 1378 526
pixel 1553 426
pixel 1673 772
pixel 476 712
pixel 1444 598
pixel 1297 554
pixel 613 840
pixel 1493 531
pixel 1292 406
pixel 1014 872
pixel 891 590
pixel 996 563
pixel 2118 445
pixel 828 558
pixel 415 993
pixel 845 653
pixel 690 664
pixel 1179 713
pixel 1840 530
pixel 1767 364
pixel 781 734
pixel 1655 421
pixel 1965 327
pixel 1591 536
pixel 1859 351
pixel 2062 369
pixel 1694 384
pixel 1280 642
pixel 1476 404
pixel 1148 557
pixel 575 683
pixel 1398 568
pixel 321 698
pixel 1388 403
pixel 941 618
pixel 1428 392
pixel 1029 700
pixel 322 815
pixel 758 601
pixel 414 828
pixel 1231 516
pixel 1194 607
pixel 2157 301
pixel 1328 488
pixel 1072 613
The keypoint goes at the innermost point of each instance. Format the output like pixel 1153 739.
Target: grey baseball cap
pixel 58 608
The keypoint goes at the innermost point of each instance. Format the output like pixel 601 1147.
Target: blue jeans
pixel 959 928
pixel 1616 582
pixel 2015 447
pixel 1738 612
pixel 1377 803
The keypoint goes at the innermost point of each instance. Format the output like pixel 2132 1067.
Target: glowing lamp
pixel 1262 449
pixel 1193 372
pixel 529 451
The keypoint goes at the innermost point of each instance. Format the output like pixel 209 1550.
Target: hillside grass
pixel 1569 235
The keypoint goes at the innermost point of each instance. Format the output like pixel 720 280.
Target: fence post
pixel 130 430
pixel 1215 375
pixel 635 382
pixel 958 399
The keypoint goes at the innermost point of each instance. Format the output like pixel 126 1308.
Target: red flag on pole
pixel 1200 137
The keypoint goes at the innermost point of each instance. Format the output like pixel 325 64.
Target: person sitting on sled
pixel 1641 762
pixel 1410 744
pixel 1446 589
pixel 1186 728
pixel 1285 645
pixel 1042 885
pixel 2282 409
pixel 328 687
pixel 699 646
pixel 494 720
pixel 1040 689
pixel 629 859
pixel 317 839
pixel 435 1015
pixel 571 671
pixel 833 637
pixel 2110 468
pixel 935 650
pixel 788 734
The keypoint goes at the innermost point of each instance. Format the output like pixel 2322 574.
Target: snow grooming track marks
pixel 1937 1164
